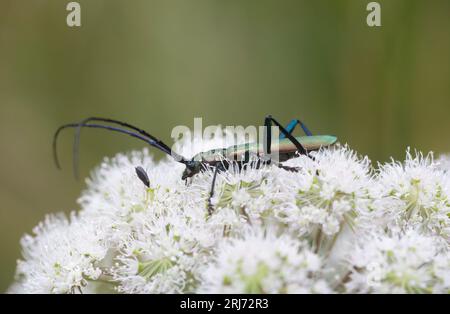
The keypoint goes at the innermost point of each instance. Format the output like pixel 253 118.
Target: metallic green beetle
pixel 219 159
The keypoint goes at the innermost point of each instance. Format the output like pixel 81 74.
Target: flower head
pixel 328 194
pixel 264 264
pixel 323 223
pixel 415 193
pixel 62 257
pixel 400 263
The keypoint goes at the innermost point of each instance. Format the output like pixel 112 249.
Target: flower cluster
pixel 408 262
pixel 265 264
pixel 333 223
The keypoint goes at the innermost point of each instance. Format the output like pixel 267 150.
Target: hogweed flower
pixel 405 262
pixel 336 225
pixel 444 162
pixel 62 257
pixel 329 194
pixel 415 193
pixel 264 264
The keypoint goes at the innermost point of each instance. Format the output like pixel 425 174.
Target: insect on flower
pixel 217 159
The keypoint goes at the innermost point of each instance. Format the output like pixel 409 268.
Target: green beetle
pixel 219 159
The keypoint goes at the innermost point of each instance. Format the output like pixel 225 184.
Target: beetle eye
pixel 142 175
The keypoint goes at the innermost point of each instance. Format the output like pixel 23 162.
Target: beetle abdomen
pixel 284 147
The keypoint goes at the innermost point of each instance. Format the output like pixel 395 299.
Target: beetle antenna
pixel 124 124
pixel 76 143
pixel 149 141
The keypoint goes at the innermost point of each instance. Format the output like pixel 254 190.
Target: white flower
pixel 328 194
pixel 414 193
pixel 441 271
pixel 401 263
pixel 62 257
pixel 264 264
pixel 162 256
pixel 266 228
pixel 444 163
pixel 116 198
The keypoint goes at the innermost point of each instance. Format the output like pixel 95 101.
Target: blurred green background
pixel 161 63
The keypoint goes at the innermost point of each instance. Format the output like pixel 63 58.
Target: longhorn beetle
pixel 219 159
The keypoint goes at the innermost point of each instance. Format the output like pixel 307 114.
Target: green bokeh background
pixel 159 64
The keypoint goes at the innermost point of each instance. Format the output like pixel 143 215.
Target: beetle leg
pixel 268 124
pixel 211 193
pixel 291 126
pixel 287 168
pixel 267 135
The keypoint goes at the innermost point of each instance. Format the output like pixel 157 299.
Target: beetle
pixel 220 159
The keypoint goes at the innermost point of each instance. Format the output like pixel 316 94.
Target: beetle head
pixel 192 168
